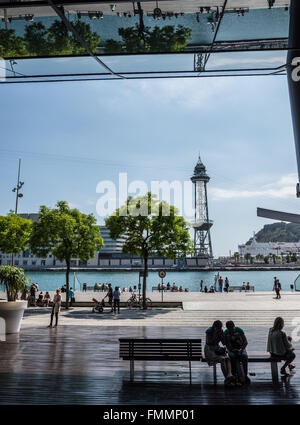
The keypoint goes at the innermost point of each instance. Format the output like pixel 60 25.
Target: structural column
pixel 293 71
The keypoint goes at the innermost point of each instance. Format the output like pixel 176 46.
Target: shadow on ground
pixel 108 315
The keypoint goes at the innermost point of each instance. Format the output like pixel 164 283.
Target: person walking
pixel 279 345
pixel 109 295
pixel 277 289
pixel 84 287
pixel 116 295
pixel 201 285
pixel 56 307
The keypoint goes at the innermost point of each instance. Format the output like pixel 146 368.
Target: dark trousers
pixel 277 293
pixel 117 305
pixel 236 358
pixel 56 317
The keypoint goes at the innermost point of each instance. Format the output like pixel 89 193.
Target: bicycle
pixel 137 302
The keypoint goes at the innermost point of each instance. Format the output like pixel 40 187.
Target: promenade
pixel 78 362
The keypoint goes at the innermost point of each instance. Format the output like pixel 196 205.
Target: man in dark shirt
pixel 236 343
pixel 109 295
pixel 277 289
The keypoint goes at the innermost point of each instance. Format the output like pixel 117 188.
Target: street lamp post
pixel 18 195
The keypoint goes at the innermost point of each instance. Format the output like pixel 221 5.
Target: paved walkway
pixel 159 317
pixel 80 365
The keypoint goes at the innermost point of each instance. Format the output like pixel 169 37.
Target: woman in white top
pixel 279 345
pixel 56 307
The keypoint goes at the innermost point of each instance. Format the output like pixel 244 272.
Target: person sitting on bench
pixel 40 300
pixel 236 343
pixel 214 353
pixel 47 299
pixel 279 345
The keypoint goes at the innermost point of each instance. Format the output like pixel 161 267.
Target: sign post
pixel 162 274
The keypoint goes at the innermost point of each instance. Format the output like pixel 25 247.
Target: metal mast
pixel 202 224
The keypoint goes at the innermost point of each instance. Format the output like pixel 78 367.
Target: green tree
pixel 14 233
pixel 150 227
pixel 259 257
pixel 167 39
pixel 140 39
pixel 247 257
pixel 14 281
pixel 66 233
pixel 36 39
pixel 266 259
pixel 236 256
pixel 58 39
pixel 11 45
pixel 113 46
pixel 134 40
pixel 91 38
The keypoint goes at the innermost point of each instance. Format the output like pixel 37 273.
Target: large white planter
pixel 12 313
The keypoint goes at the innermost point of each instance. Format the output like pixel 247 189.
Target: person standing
pixel 216 280
pixel 277 289
pixel 32 295
pixel 71 296
pixel 109 295
pixel 226 286
pixel 56 307
pixel 220 284
pixel 201 285
pixel 84 287
pixel 116 296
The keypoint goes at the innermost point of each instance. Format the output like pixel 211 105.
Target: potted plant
pixel 14 281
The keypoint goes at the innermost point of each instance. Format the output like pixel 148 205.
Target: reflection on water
pixel 124 28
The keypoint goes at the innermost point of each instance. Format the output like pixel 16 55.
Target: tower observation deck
pixel 201 224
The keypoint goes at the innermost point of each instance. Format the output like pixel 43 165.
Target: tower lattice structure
pixel 202 224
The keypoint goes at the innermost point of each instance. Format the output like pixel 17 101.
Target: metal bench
pixel 160 350
pixel 240 288
pixel 155 288
pixel 179 350
pixel 255 357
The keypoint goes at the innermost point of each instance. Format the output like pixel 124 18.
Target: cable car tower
pixel 202 224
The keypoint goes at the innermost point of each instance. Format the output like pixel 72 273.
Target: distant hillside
pixel 278 232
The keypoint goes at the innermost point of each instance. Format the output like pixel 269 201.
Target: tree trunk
pixel 141 22
pixel 145 281
pixel 67 283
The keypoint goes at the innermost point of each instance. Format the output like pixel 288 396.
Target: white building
pixel 266 248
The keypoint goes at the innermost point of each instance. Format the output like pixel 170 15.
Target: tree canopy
pixel 66 233
pixel 14 233
pixel 38 40
pixel 140 39
pixel 150 227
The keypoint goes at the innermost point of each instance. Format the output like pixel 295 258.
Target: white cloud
pixel 239 61
pixel 192 93
pixel 284 188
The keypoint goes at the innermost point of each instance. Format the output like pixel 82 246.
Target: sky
pixel 71 136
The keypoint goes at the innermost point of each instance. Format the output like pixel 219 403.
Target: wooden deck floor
pixel 80 365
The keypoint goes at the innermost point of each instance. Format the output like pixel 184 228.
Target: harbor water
pixel 262 280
